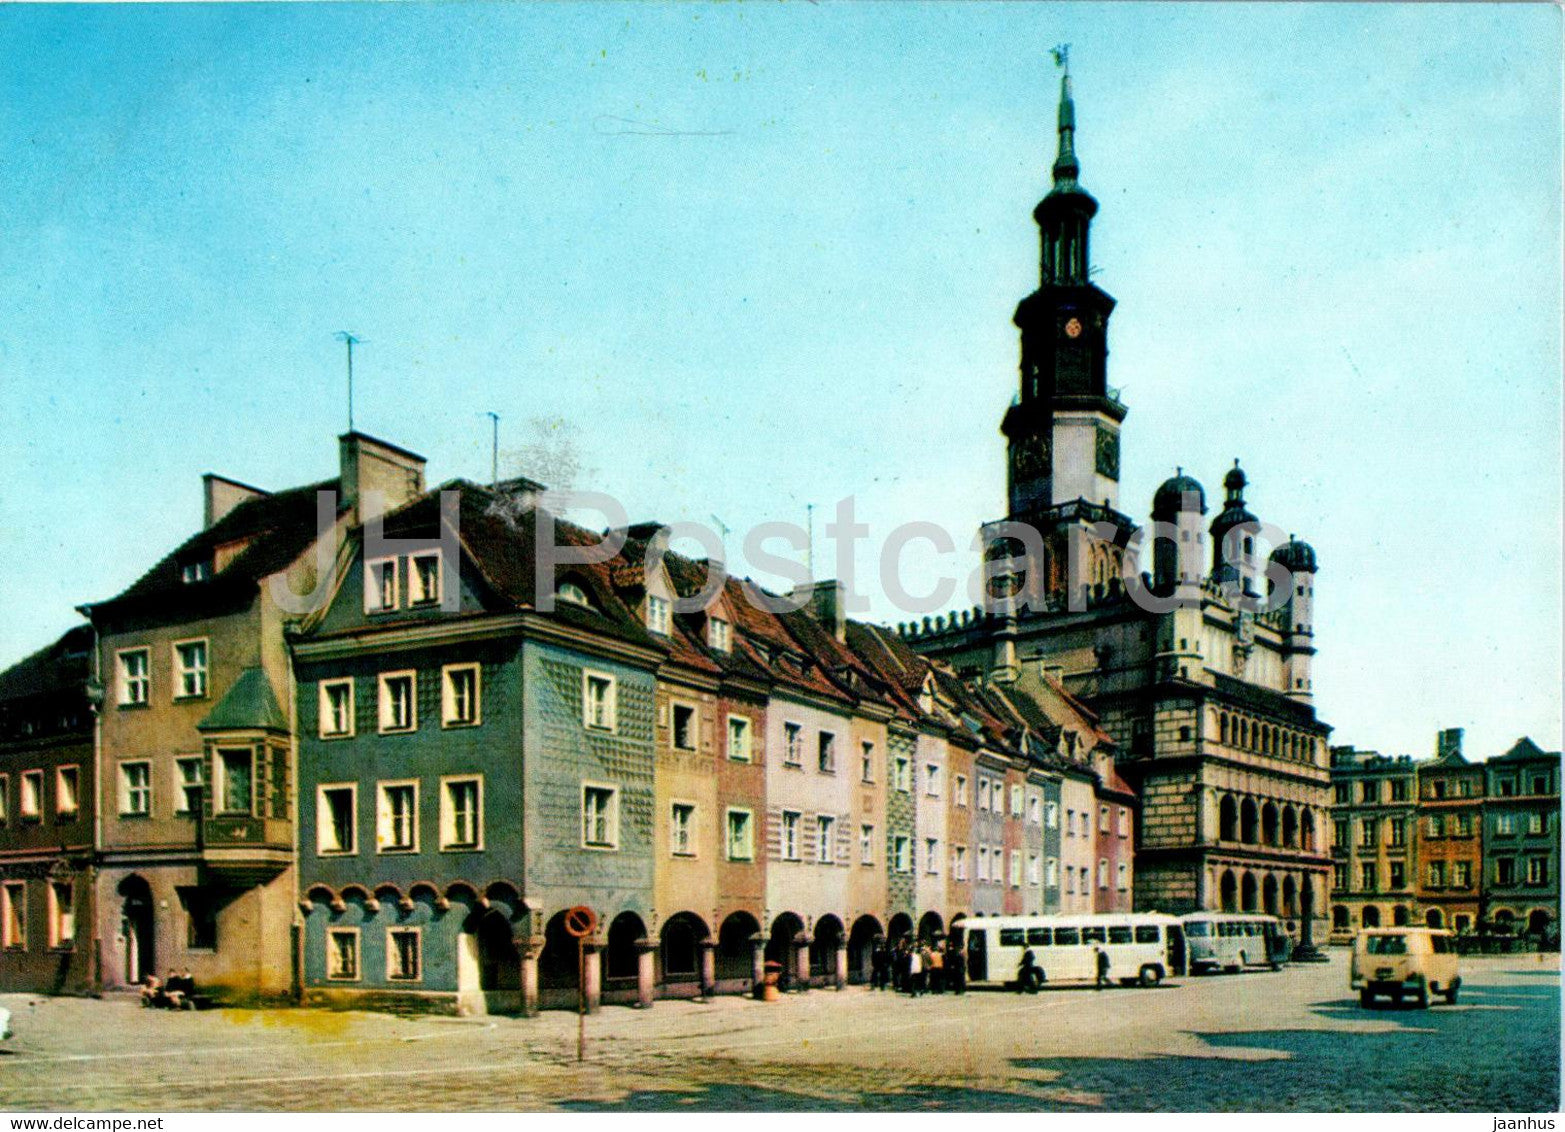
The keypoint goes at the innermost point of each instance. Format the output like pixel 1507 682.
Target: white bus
pixel 1141 947
pixel 1228 941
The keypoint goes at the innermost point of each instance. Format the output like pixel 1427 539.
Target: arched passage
pixel 1249 821
pixel 1290 827
pixel 782 946
pixel 499 963
pixel 1399 915
pixel 1227 819
pixel 1339 918
pixel 735 957
pixel 1269 823
pixel 861 946
pixel 1290 898
pixel 1228 890
pixel 1247 893
pixel 931 927
pixel 557 963
pixel 1308 826
pixel 1269 894
pixel 1504 921
pixel 619 957
pixel 901 927
pixel 679 947
pixel 823 947
pixel 1435 918
pixel 1538 921
pixel 1371 916
pixel 136 928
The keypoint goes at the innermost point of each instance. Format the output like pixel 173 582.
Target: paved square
pixel 1288 1040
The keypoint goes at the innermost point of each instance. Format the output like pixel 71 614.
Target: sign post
pixel 580 922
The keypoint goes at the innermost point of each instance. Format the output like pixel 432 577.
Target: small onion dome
pixel 1235 481
pixel 1295 556
pixel 1176 495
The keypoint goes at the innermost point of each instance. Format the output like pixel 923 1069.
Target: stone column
pixel 842 964
pixel 530 949
pixel 708 957
pixel 757 962
pixel 646 952
pixel 592 972
pixel 801 955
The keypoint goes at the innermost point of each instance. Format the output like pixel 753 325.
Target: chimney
pixel 371 466
pixel 827 603
pixel 220 495
pixel 1448 742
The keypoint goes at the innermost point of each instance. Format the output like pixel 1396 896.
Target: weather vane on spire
pixel 1062 56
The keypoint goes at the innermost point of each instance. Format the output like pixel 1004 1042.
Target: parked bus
pixel 1224 941
pixel 1143 947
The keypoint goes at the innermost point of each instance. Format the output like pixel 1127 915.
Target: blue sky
pixel 750 256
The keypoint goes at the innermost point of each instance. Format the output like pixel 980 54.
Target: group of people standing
pixel 922 967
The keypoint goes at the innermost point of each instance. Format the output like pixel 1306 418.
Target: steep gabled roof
pixel 1524 749
pixel 64 664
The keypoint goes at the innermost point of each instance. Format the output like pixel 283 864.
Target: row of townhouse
pixel 1471 846
pixel 348 743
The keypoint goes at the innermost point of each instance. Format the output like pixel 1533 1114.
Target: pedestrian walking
pixel 937 974
pixel 1028 976
pixel 1103 967
pixel 880 964
pixel 900 966
pixel 915 972
pixel 955 966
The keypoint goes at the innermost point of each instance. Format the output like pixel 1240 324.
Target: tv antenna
pixel 348 337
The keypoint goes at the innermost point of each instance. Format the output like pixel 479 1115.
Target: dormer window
pixel 424 579
pixel 657 614
pixel 380 585
pixel 719 634
pixel 571 592
pixel 195 572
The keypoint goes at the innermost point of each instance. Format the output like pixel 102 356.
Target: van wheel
pixel 1450 994
pixel 1421 999
pixel 1366 998
pixel 1151 976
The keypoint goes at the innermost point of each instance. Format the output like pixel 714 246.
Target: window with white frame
pixel 396 817
pixel 62 914
pixel 1034 809
pixel 931 855
pixel 983 793
pixel 719 634
pixel 1103 872
pixel 336 708
pixel 1034 871
pixel 1124 877
pixel 192 572
pixel 1017 800
pixel 404 961
pixel 13 914
pixel 1070 881
pixel 866 845
pixel 740 838
pixel 826 753
pixel 1016 868
pixel 398 701
pixel 190 775
pixel 460 693
pixel 902 853
pixel 739 738
pixel 1051 872
pixel 959 862
pixel 932 780
pixel 1070 822
pixel 336 823
pixel 190 669
pixel 342 954
pixel 599 816
pixel 1051 815
pixel 380 585
pixel 1103 819
pixel 135 677
pixel 67 791
pixel 597 699
pixel 424 578
pixel 30 805
pixel 1537 871
pixel 793 744
pixel 903 774
pixel 462 812
pixel 825 839
pixel 657 614
pixel 136 789
pixel 682 829
pixel 684 726
pixel 1124 821
pixel 790 835
pixel 235 768
pixel 866 761
pixel 960 792
pixel 983 862
pixel 573 593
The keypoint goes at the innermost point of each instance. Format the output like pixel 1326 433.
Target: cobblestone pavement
pixel 1287 1040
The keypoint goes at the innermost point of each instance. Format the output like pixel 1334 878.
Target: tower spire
pixel 1066 168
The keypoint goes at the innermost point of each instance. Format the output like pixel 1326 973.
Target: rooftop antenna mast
pixel 348 337
pixel 809 545
pixel 494 450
